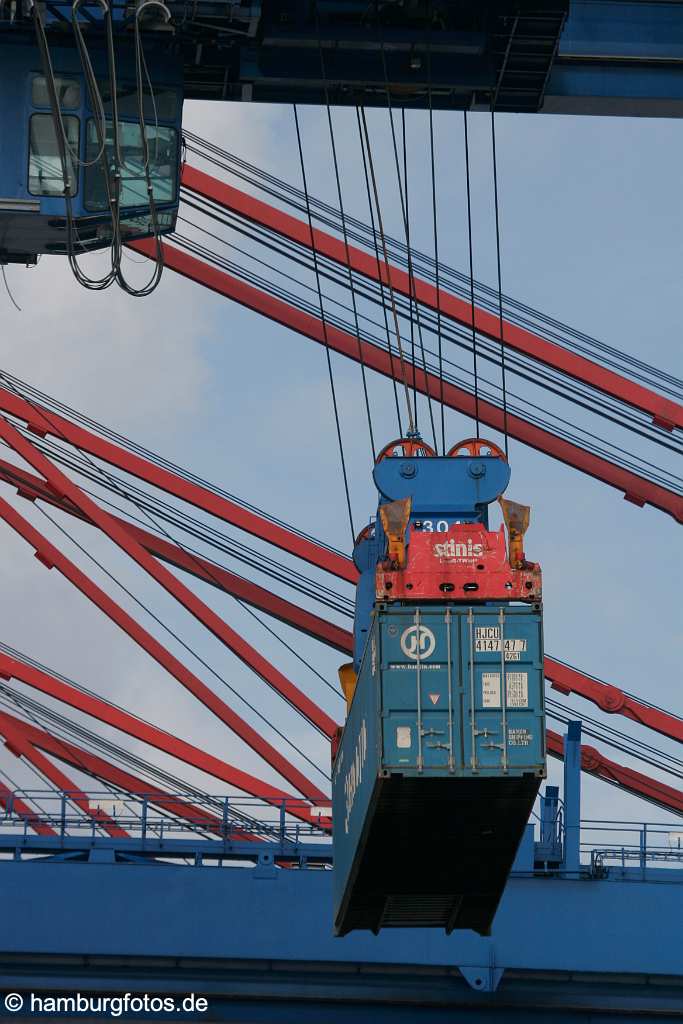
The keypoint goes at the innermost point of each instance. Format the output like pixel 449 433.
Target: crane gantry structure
pixel 601 901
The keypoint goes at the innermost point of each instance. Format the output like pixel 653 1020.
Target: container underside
pixel 436 852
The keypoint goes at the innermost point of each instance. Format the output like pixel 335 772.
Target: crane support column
pixel 572 797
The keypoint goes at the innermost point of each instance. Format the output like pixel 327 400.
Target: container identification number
pixel 487 641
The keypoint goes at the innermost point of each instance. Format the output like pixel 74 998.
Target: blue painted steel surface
pixel 615 58
pixel 430 712
pixel 240 913
pixel 31 223
pixel 442 491
pixel 456 489
pixel 619 59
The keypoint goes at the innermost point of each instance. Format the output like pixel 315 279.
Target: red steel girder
pixel 614 701
pixel 43 422
pixel 595 763
pixel 592 761
pixel 50 556
pixel 32 487
pixel 664 412
pixel 96 766
pixel 103 711
pixel 18 743
pixel 635 488
pixel 62 485
pixel 15 805
pixel 564 678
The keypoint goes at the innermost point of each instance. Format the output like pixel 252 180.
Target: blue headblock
pixel 459 487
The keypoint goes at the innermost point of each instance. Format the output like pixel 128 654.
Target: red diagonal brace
pixel 635 488
pixel 45 422
pixel 595 763
pixel 90 764
pixel 15 805
pixel 51 557
pixel 17 741
pixel 95 707
pixel 62 485
pixel 665 412
pixel 612 700
pixel 32 487
pixel 564 678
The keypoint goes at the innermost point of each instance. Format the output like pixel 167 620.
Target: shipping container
pixel 438 765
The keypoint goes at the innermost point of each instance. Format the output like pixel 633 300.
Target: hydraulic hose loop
pixel 63 149
pixel 110 171
pixel 55 107
pixel 142 73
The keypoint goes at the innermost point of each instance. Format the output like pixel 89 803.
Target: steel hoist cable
pixel 406 230
pixel 545 378
pixel 471 262
pixel 392 297
pixel 411 292
pixel 500 279
pixel 323 319
pixel 518 312
pixel 175 636
pixel 345 233
pixel 379 266
pixel 97 468
pixel 437 267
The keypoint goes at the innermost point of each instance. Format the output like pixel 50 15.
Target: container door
pixel 418 690
pixel 503 682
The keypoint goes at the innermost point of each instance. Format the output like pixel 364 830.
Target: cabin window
pixel 163 165
pixel 68 93
pixel 160 104
pixel 45 173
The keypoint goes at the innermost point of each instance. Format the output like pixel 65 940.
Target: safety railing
pixel 175 815
pixel 624 844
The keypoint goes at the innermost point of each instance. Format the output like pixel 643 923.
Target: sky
pixel 591 230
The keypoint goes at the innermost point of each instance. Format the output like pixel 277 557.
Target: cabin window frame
pixel 143 204
pixel 66 118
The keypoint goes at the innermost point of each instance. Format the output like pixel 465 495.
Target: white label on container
pixel 517 689
pixel 490 689
pixel 519 738
pixel 403 740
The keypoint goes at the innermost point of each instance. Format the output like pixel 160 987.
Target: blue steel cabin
pixel 32 206
pixel 440 760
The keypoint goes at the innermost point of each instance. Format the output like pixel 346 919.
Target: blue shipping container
pixel 438 766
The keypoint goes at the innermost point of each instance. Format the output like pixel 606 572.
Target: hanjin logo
pixel 455 550
pixel 418 642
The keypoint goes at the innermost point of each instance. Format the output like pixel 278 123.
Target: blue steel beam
pixel 267 992
pixel 619 59
pixel 613 58
pixel 628 930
